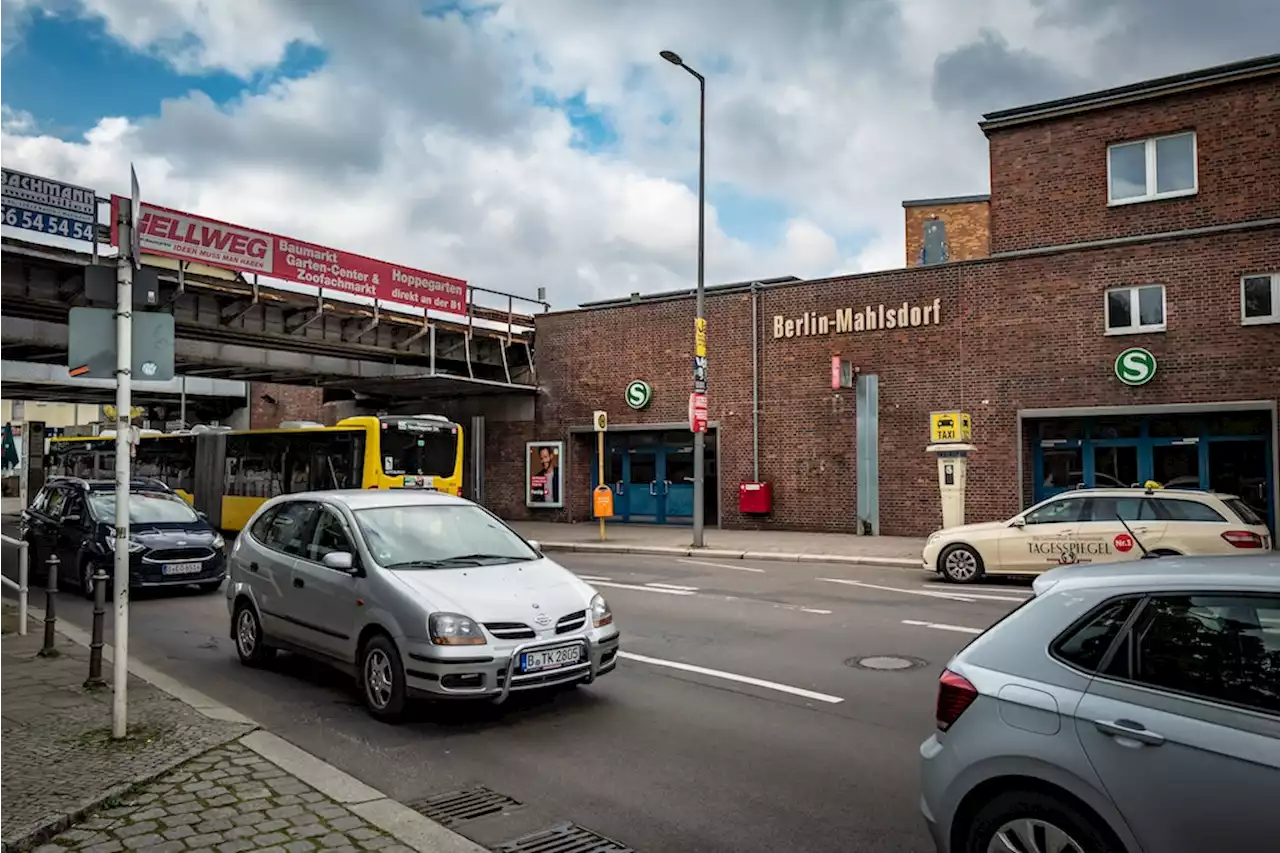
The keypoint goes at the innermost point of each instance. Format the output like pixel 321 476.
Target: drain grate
pixel 454 807
pixel 565 838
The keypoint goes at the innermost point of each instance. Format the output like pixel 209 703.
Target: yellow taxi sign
pixel 950 426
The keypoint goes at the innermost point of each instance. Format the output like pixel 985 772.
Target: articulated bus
pixel 228 474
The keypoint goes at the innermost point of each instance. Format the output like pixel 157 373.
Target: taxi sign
pixel 950 426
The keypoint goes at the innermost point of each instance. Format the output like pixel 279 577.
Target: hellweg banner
pixel 184 236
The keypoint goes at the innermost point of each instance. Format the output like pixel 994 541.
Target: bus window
pixel 258 467
pixel 411 448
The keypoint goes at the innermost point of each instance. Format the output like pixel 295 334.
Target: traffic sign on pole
pixel 698 412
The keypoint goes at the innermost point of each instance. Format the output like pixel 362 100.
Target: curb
pixel 722 554
pixel 407 826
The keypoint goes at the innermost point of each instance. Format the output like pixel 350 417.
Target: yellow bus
pixel 228 474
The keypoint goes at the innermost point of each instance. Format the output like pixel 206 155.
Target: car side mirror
pixel 535 545
pixel 1018 522
pixel 340 561
pixel 204 516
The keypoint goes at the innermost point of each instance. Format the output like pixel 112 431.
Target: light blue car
pixel 1125 708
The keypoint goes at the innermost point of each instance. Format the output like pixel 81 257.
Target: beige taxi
pixel 1098 526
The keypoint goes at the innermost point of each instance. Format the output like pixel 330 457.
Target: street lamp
pixel 699 437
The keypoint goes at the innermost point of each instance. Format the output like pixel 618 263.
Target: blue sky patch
pixel 593 128
pixel 743 216
pixel 68 73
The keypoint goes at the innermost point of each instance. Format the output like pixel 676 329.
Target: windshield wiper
pixel 416 564
pixel 460 560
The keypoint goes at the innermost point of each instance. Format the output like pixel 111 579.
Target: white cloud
pixel 418 140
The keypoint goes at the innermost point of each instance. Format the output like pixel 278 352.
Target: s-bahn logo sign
pixel 872 318
pixel 639 394
pixel 1135 366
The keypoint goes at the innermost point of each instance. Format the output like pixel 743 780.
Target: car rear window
pixel 1244 511
pixel 1184 510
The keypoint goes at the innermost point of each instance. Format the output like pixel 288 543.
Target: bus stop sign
pixel 91 345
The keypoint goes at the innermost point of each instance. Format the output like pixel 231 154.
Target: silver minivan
pixel 1125 708
pixel 416 593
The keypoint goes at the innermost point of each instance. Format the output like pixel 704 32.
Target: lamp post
pixel 699 436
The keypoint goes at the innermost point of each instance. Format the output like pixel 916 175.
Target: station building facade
pixel 1145 218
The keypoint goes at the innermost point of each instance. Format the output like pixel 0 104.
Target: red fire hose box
pixel 755 498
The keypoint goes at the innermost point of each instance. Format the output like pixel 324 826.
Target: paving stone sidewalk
pixel 59 758
pixel 227 800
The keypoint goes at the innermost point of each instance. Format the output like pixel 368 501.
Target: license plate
pixel 550 658
pixel 183 569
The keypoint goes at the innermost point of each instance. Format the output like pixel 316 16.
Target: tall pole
pixel 700 438
pixel 699 379
pixel 124 359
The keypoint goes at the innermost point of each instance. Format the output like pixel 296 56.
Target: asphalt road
pixel 810 753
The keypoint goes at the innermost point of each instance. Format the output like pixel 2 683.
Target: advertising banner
pixel 544 477
pixel 184 236
pixel 50 207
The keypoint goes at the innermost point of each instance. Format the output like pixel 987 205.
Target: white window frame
pixel 1135 328
pixel 1150 150
pixel 1274 316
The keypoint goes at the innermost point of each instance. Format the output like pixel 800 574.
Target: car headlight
pixel 933 537
pixel 134 545
pixel 454 629
pixel 218 542
pixel 601 615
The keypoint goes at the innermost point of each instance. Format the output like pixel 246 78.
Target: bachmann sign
pixel 873 318
pixel 175 234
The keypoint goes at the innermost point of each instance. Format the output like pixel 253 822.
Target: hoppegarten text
pixel 175 234
pixel 871 319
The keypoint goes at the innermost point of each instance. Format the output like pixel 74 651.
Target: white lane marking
pixel 729 676
pixel 673 586
pixel 815 610
pixel 592 578
pixel 961 629
pixel 644 588
pixel 965 591
pixel 952 596
pixel 722 566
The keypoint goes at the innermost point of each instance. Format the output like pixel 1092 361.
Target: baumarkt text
pixel 872 319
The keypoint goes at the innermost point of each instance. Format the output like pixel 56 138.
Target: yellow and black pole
pixel 602 495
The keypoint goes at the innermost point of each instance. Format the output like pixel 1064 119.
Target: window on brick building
pixel 1135 309
pixel 1149 169
pixel 1260 299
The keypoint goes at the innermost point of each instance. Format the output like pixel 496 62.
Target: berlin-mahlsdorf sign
pixel 874 318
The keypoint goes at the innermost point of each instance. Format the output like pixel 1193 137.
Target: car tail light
pixel 1243 538
pixel 955 695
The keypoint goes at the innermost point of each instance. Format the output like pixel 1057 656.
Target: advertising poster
pixel 544 476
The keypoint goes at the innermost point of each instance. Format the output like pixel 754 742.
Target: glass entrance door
pixel 1239 467
pixel 1115 465
pixel 643 484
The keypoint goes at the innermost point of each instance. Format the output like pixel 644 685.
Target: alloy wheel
pixel 246 633
pixel 961 565
pixel 378 681
pixel 1030 835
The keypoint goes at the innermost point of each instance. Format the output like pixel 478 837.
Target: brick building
pixel 1146 216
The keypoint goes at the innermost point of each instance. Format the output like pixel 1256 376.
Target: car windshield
pixel 144 508
pixel 419 449
pixel 426 536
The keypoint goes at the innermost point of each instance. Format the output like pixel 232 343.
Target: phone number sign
pixel 50 207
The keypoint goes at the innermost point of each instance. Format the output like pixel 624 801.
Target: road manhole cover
pixel 886 663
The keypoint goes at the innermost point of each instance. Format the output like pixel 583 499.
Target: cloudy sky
pixel 528 143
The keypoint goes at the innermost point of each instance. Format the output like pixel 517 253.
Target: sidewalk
pixel 10 506
pixel 726 544
pixel 193 776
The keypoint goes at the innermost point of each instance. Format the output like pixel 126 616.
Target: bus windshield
pixel 419 447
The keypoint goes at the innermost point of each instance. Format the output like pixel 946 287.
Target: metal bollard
pixel 94 680
pixel 50 614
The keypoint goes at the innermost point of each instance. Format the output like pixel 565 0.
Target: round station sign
pixel 639 394
pixel 1135 366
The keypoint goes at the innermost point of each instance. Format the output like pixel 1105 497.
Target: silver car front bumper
pixel 495 677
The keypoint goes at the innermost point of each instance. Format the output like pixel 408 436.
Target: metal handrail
pixel 21 585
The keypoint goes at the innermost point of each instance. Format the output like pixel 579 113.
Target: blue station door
pixel 651 475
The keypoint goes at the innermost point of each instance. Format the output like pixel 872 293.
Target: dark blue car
pixel 170 544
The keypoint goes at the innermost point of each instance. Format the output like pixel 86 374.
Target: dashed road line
pixel 722 566
pixel 952 596
pixel 730 676
pixel 644 588
pixel 592 578
pixel 673 586
pixel 960 629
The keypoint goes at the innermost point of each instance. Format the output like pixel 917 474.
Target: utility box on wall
pixel 755 498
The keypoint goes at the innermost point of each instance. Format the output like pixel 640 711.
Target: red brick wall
pixel 1015 334
pixel 1049 179
pixel 968 229
pixel 291 403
